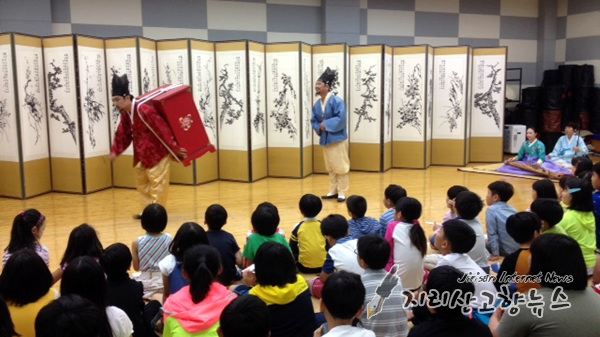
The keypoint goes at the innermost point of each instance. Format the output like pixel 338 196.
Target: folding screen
pixel 241 109
pixel 79 113
pixel 204 90
pixel 257 88
pixel 122 57
pixel 487 104
pixel 307 93
pixel 412 106
pixel 369 108
pixel 387 108
pixel 288 118
pixel 450 103
pixel 174 68
pixel 333 56
pixel 24 155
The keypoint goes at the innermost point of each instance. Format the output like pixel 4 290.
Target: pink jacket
pixel 197 317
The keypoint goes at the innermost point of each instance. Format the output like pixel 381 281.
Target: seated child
pixel 499 242
pixel 215 218
pixel 391 319
pixel 578 220
pixel 454 241
pixel 524 227
pixel 448 318
pixel 276 282
pixel 195 309
pixel 245 316
pixel 307 243
pixel 342 302
pixel 265 220
pixel 408 244
pixel 27 230
pixel 341 255
pixel 451 214
pixel 187 236
pixel 83 241
pixel 543 188
pixel 581 166
pixel 550 212
pixel 69 315
pixel 125 293
pixel 391 195
pixel 468 206
pixel 360 224
pixel 149 249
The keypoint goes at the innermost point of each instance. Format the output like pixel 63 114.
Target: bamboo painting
pixel 369 96
pixel 485 101
pixel 33 105
pixel 208 118
pixel 283 113
pixel 93 108
pixel 231 108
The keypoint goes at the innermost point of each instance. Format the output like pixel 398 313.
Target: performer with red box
pixel 151 158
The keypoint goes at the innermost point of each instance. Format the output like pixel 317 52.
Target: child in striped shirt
pixel 150 248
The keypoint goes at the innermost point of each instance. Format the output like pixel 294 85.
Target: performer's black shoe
pixel 341 199
pixel 137 216
pixel 329 196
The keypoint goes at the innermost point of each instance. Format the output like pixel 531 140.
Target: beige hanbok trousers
pixel 153 183
pixel 337 164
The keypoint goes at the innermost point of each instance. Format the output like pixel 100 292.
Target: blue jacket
pixel 335 121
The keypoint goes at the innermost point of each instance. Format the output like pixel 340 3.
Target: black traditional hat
pixel 328 77
pixel 120 85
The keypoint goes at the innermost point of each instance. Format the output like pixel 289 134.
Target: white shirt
pixel 466 264
pixel 344 257
pixel 407 257
pixel 120 324
pixel 349 331
pixel 167 264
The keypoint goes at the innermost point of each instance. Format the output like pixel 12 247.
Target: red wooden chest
pixel 176 104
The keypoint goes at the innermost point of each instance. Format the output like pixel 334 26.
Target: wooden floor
pixel 110 211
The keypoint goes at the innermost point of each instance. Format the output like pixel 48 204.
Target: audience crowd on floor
pixel 531 272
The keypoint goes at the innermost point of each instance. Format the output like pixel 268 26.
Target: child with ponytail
pixel 196 308
pixel 407 242
pixel 27 230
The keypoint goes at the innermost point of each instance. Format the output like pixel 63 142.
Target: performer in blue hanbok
pixel 568 146
pixel 329 122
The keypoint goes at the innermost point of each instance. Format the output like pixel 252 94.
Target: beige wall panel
pixel 181 174
pixel 448 152
pixel 318 161
pixel 259 164
pixel 365 157
pixel 66 175
pixel 121 43
pixel 98 173
pixel 207 168
pixel 37 177
pixel 10 179
pixel 284 162
pixel 409 154
pixel 307 160
pixel 387 156
pixel 234 165
pixel 485 150
pixel 123 172
pixel 428 148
